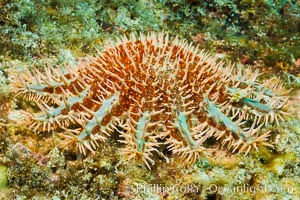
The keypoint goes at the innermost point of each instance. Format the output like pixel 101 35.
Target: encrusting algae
pixel 154 91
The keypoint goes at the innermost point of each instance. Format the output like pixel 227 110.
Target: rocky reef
pixel 36 35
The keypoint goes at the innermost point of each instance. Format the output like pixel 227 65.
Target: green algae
pixel 260 30
pixel 3 177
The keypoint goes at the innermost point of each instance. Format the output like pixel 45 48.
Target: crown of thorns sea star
pixel 154 91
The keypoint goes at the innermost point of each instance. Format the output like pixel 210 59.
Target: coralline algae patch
pixel 155 92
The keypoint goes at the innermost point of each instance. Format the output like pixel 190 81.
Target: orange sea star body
pixel 154 91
